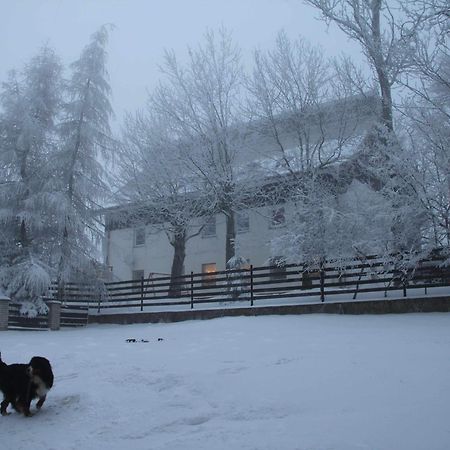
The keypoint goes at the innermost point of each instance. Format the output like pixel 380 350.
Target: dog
pixel 21 383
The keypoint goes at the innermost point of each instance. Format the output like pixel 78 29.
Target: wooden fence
pixel 17 320
pixel 74 313
pixel 243 287
pixel 253 284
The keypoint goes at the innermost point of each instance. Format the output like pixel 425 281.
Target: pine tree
pixel 86 144
pixel 30 102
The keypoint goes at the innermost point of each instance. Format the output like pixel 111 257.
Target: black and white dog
pixel 21 383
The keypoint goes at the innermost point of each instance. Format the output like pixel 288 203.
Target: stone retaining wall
pixel 412 305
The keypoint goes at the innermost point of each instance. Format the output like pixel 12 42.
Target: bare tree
pixel 200 98
pixel 427 122
pixel 306 113
pixel 309 118
pixel 387 39
pixel 154 178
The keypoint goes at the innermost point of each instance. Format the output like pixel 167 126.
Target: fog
pixel 144 28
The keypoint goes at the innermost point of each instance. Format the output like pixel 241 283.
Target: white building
pixel 133 250
pixel 143 250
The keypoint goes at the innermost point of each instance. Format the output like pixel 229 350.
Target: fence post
pixel 251 284
pixel 192 290
pixel 54 314
pixel 99 303
pixel 322 282
pixel 142 293
pixel 4 312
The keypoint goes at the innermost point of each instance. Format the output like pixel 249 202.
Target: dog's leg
pixel 40 402
pixel 23 408
pixel 3 407
pixel 22 405
pixel 26 408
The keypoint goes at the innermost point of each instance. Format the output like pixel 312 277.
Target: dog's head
pixel 40 367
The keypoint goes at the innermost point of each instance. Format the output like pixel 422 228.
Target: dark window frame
pixel 278 217
pixel 137 233
pixel 239 217
pixel 210 227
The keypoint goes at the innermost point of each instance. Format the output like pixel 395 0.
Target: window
pixel 209 229
pixel 209 274
pixel 139 236
pixel 242 222
pixel 138 275
pixel 277 268
pixel 278 217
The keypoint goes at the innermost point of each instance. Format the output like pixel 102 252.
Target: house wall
pixel 155 256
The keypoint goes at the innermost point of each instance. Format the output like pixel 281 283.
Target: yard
pixel 317 382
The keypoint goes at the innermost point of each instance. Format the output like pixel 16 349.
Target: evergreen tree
pixel 30 103
pixel 86 144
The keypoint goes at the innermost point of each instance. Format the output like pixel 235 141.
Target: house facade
pixel 144 250
pixel 140 248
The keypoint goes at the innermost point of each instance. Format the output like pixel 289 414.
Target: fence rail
pixel 17 320
pixel 354 280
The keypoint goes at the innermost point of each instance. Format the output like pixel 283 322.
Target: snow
pixel 312 382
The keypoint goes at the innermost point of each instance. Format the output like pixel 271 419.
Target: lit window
pixel 209 274
pixel 139 236
pixel 209 229
pixel 278 217
pixel 242 222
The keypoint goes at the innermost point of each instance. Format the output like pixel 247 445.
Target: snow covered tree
pixel 428 126
pixel 30 103
pixel 387 40
pixel 200 98
pixel 301 108
pixel 390 37
pixel 335 225
pixel 155 180
pixel 86 146
pixel 312 119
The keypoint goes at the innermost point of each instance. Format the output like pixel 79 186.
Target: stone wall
pixel 412 305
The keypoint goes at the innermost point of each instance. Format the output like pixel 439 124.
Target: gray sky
pixel 144 28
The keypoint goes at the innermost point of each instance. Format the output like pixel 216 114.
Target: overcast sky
pixel 144 28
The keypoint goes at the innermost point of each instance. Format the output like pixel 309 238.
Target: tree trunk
pixel 386 100
pixel 380 67
pixel 230 239
pixel 179 254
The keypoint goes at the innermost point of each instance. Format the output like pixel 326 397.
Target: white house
pixel 133 250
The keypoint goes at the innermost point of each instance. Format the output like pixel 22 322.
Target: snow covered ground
pixel 316 382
